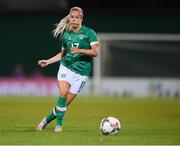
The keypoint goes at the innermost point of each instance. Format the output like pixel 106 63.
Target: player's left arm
pixel 93 51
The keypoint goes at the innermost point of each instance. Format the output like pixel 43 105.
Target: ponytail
pixel 62 26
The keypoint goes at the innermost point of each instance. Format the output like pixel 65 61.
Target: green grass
pixel 144 121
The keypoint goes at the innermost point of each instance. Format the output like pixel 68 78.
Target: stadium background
pixel 136 78
pixel 26 36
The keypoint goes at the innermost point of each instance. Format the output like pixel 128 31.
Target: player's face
pixel 75 19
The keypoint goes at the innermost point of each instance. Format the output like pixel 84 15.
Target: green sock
pixel 60 116
pixel 61 102
pixel 61 109
pixel 52 116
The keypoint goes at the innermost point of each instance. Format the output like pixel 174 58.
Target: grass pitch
pixel 144 121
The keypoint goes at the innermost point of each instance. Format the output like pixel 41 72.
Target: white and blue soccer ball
pixel 110 126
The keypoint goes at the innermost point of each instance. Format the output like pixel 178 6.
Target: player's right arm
pixel 51 60
pixel 55 58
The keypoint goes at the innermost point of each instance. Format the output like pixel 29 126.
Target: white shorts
pixel 76 81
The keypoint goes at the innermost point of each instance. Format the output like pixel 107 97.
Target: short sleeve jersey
pixel 83 39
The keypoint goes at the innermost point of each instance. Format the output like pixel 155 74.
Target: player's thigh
pixel 64 87
pixel 64 78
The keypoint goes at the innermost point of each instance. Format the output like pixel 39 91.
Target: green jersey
pixel 83 39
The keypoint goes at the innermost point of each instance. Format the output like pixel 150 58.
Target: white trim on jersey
pixel 93 43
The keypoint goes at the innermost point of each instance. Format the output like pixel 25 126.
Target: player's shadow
pixel 20 129
pixel 33 129
pixel 75 129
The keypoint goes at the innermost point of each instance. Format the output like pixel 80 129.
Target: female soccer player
pixel 79 46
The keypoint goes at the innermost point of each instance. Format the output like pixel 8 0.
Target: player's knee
pixel 64 94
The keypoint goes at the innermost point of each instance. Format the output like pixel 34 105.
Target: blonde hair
pixel 64 24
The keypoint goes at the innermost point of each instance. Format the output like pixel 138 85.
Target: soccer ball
pixel 110 126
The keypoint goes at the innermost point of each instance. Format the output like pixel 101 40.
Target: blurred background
pixel 140 47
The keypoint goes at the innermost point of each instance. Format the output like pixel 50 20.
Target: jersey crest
pixel 81 36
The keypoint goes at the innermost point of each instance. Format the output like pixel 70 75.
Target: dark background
pixel 26 29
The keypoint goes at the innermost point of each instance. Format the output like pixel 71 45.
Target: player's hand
pixel 75 50
pixel 43 63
